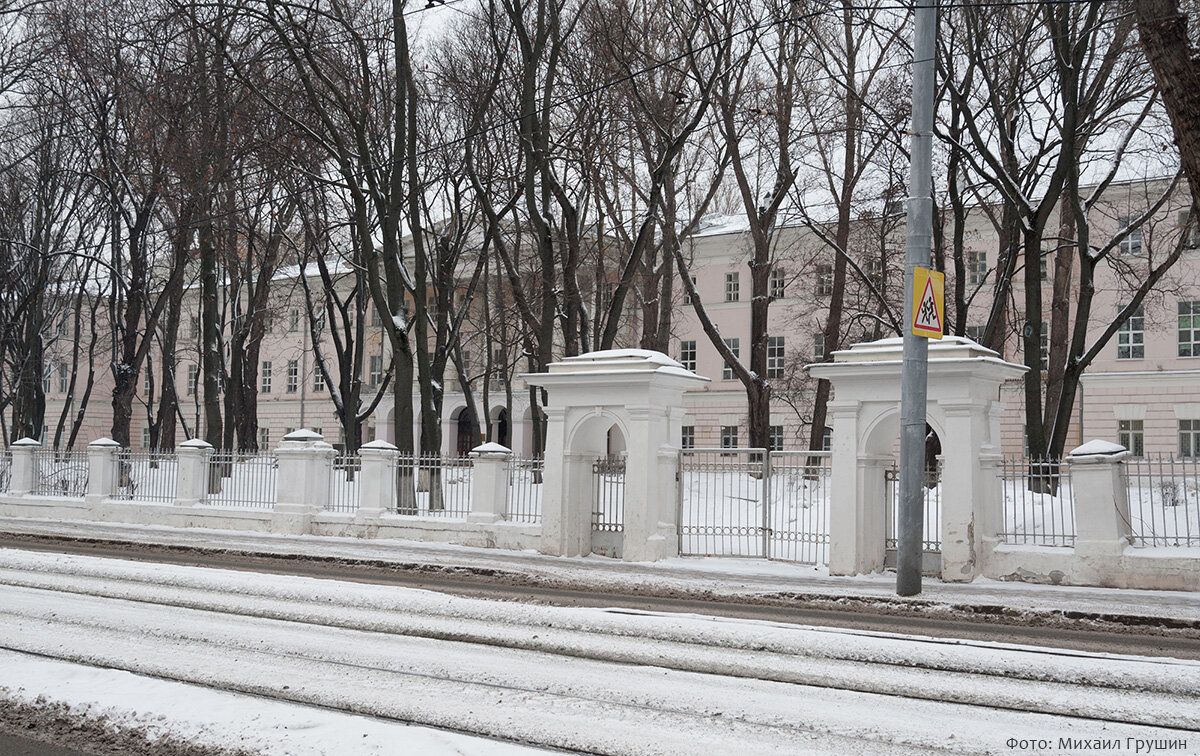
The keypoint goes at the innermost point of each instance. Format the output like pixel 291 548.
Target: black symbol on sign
pixel 928 313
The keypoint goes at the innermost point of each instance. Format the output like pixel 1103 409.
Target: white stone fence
pixel 297 489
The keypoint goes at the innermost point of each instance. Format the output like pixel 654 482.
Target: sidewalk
pixel 748 580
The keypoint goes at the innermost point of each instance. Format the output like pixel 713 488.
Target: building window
pixel 732 287
pixel 827 439
pixel 319 431
pixel 293 320
pixel 774 356
pixel 976 267
pixel 1191 234
pixel 1189 328
pixel 264 438
pixel 729 436
pixel 824 280
pixel 1189 438
pixel 687 354
pixel 194 327
pixel 375 371
pixel 1044 346
pixel 687 298
pixel 145 437
pixel 688 438
pixel 1132 244
pixel 1043 270
pixel 293 376
pixel 975 333
pixel 778 284
pixel 318 380
pixel 875 272
pixel 1131 436
pixel 64 380
pixel 319 320
pixel 775 438
pixel 818 346
pixel 264 383
pixel 375 319
pixel 735 346
pixel 1131 337
pixel 192 373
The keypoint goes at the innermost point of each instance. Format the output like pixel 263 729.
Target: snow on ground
pixel 611 681
pixel 220 719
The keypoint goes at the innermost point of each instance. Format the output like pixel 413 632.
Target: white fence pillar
pixel 23 475
pixel 102 470
pixel 302 486
pixel 192 485
pixel 1101 498
pixel 376 480
pixel 489 482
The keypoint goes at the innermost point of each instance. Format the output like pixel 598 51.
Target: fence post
pixel 102 470
pixel 376 480
pixel 23 476
pixel 302 484
pixel 192 484
pixel 489 482
pixel 1101 498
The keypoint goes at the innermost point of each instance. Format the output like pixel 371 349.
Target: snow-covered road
pixel 608 681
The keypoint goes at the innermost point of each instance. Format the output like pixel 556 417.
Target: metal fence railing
pixel 799 506
pixel 755 503
pixel 241 480
pixel 608 509
pixel 1164 500
pixel 931 536
pixel 146 476
pixel 1038 506
pixel 5 470
pixel 60 473
pixel 344 482
pixel 524 502
pixel 433 486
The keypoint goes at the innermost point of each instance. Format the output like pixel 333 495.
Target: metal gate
pixel 608 506
pixel 754 503
pixel 931 540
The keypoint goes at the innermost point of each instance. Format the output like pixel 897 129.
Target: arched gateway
pixel 963 409
pixel 640 394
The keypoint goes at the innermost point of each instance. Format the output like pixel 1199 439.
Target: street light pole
pixel 916 349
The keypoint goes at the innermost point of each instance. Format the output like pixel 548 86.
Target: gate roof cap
pixel 946 348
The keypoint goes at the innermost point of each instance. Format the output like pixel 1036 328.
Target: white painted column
pixel 489 482
pixel 376 480
pixel 965 426
pixel 1101 499
pixel 23 475
pixel 302 486
pixel 102 470
pixel 566 492
pixel 192 484
pixel 844 509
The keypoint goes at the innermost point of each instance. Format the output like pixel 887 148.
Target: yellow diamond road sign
pixel 929 303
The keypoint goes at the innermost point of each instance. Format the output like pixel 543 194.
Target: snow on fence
pixel 5 469
pixel 343 483
pixel 433 486
pixel 1164 500
pixel 1038 502
pixel 751 502
pixel 244 480
pixel 60 473
pixel 146 476
pixel 524 502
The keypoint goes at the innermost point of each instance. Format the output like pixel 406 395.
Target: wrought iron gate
pixel 755 503
pixel 608 506
pixel 931 540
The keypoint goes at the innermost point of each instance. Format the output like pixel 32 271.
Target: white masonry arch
pixel 641 393
pixel 963 408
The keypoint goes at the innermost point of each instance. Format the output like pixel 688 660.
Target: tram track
pixel 517 671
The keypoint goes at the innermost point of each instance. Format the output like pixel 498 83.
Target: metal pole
pixel 916 348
